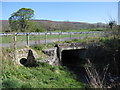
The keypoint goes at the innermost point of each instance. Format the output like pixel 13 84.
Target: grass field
pixel 83 30
pixel 9 39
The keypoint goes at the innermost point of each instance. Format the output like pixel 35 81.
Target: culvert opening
pixel 73 57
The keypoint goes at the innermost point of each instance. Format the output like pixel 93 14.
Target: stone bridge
pixel 66 54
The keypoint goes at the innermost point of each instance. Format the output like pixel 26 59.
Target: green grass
pixel 43 76
pixel 9 39
pixel 82 30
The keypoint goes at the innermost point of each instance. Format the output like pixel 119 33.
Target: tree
pixel 111 24
pixel 35 27
pixel 66 25
pixel 19 20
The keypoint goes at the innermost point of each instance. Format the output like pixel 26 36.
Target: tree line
pixel 22 21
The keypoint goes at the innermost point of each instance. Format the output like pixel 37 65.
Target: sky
pixel 60 0
pixel 119 13
pixel 91 12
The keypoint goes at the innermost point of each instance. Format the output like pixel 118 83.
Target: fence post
pixel 86 35
pixel 79 34
pixel 38 37
pixel 15 52
pixel 59 36
pixel 27 39
pixel 45 38
pixel 70 35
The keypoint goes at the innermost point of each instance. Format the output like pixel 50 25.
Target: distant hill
pixel 58 25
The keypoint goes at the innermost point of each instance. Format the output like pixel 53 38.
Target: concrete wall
pixel 52 53
pixel 56 54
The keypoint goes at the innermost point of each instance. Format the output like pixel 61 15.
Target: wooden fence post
pixel 70 35
pixel 45 38
pixel 39 38
pixel 86 35
pixel 27 39
pixel 80 34
pixel 59 36
pixel 15 52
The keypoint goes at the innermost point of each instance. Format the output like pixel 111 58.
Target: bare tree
pixel 94 78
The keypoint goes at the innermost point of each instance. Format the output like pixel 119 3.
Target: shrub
pixel 10 83
pixel 38 47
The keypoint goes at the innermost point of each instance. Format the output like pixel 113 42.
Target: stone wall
pixel 79 52
pixel 52 53
pixel 55 54
pixel 23 53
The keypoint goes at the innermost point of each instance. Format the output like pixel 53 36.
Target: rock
pixel 22 53
pixel 30 61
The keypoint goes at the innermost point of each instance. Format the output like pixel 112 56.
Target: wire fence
pixel 44 38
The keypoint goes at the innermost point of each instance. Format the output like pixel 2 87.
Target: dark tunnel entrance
pixel 73 60
pixel 73 57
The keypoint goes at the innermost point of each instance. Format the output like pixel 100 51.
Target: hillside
pixel 58 25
